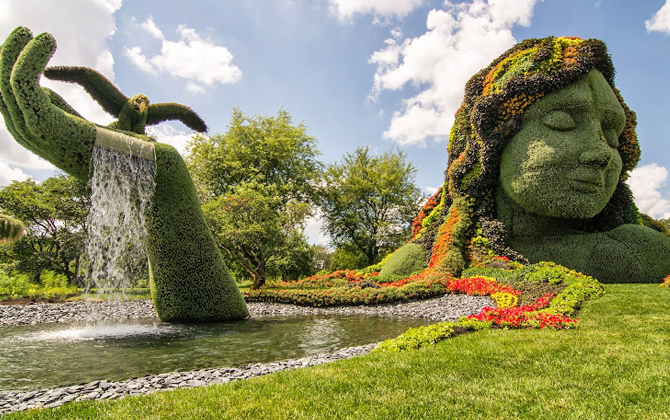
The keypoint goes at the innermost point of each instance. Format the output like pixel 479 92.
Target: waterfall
pixel 122 187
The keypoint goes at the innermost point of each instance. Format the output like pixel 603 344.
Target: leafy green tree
pixel 265 150
pixel 256 183
pixel 369 201
pixel 348 257
pixel 54 213
pixel 253 228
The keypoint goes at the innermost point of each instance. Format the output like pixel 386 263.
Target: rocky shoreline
pixel 448 307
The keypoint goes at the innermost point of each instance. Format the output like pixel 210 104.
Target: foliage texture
pixel 256 182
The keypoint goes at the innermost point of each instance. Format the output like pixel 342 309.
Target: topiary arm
pixel 98 86
pixel 39 125
pixel 189 279
pixel 172 111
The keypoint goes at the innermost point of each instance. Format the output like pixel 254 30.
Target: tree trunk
pixel 259 278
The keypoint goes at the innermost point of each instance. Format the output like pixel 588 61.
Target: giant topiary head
pixel 528 76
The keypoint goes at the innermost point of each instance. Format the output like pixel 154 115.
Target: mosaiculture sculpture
pixel 189 279
pixel 539 155
pixel 10 229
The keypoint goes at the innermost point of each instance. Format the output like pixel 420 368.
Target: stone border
pixel 445 308
pixel 13 401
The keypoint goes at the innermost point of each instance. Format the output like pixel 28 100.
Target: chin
pixel 578 211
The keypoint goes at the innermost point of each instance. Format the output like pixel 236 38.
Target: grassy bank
pixel 615 365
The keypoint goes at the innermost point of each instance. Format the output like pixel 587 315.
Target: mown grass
pixel 615 365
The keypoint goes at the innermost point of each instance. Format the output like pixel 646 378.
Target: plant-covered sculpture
pixel 11 230
pixel 132 114
pixel 189 280
pixel 538 158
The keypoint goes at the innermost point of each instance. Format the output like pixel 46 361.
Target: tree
pixel 257 182
pixel 54 213
pixel 348 257
pixel 369 202
pixel 264 150
pixel 255 230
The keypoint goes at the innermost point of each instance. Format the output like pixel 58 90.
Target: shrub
pixel 406 260
pixel 17 286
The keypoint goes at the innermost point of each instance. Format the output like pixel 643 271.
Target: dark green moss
pixel 63 139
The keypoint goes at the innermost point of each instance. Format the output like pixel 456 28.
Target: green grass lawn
pixel 616 364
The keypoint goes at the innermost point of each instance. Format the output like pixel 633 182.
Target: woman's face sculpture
pixel 564 162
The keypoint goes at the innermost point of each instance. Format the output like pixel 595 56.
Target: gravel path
pixel 448 307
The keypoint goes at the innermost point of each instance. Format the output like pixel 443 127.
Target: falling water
pixel 121 190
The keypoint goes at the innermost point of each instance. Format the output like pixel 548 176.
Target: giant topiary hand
pixel 189 280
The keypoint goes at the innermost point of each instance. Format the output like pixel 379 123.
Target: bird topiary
pixel 132 114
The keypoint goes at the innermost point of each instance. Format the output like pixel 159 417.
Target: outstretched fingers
pixel 63 139
pixel 11 112
pixel 32 100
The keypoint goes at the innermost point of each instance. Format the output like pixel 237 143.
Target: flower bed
pixel 353 288
pixel 419 288
pixel 548 311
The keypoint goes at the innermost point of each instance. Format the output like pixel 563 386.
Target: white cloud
pixel 193 58
pixel 9 174
pixel 151 27
pixel 81 28
pixel 166 133
pixel 459 41
pixel 645 182
pixel 140 61
pixel 195 88
pixel 345 9
pixel 660 22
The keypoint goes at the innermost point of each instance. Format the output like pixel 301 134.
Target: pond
pixel 53 355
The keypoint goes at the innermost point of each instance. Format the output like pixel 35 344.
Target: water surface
pixel 52 355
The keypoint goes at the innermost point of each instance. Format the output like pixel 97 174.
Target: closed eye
pixel 559 121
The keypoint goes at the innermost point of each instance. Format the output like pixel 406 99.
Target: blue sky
pixel 357 72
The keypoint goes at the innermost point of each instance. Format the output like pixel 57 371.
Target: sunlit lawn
pixel 615 365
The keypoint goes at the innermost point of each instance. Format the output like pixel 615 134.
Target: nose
pixel 600 154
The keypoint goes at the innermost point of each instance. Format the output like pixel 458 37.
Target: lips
pixel 587 184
